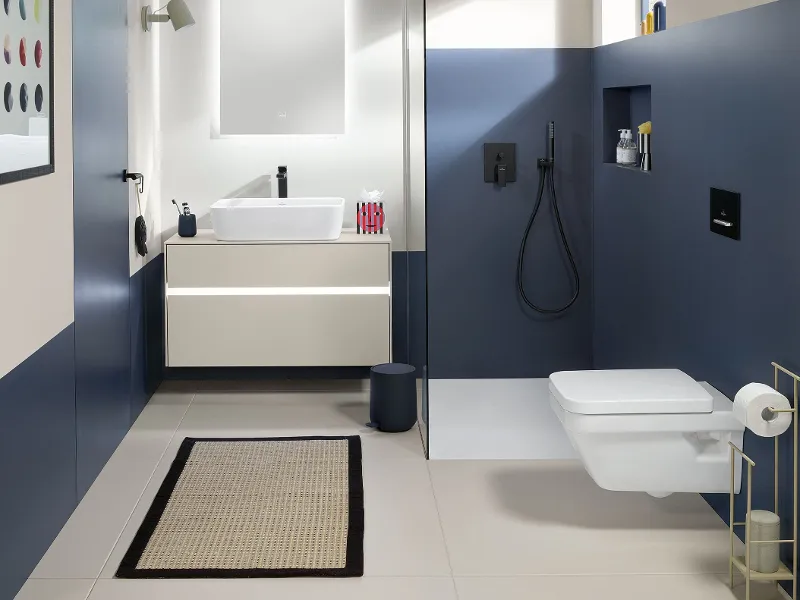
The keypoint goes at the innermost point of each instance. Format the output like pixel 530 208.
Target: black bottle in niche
pixel 283 182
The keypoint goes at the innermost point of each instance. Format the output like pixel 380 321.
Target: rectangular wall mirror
pixel 282 67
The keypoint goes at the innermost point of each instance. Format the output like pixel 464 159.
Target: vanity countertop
pixel 206 237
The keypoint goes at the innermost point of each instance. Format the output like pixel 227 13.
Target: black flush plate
pixel 500 163
pixel 726 211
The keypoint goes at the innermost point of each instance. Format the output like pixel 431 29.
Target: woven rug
pixel 278 507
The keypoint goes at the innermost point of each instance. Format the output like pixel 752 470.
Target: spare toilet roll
pixel 765 558
pixel 749 405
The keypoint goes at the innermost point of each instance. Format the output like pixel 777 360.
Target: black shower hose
pixel 546 176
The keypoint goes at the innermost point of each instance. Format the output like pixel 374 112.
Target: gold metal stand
pixel 742 563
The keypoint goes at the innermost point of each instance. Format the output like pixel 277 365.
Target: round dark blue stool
pixel 393 397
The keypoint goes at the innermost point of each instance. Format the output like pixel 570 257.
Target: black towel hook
pixel 136 177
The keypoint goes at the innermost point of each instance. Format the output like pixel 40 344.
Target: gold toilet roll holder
pixel 742 563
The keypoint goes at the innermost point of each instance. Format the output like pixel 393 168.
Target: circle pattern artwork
pixel 8 97
pixel 25 94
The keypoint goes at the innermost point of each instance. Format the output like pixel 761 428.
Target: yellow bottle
pixel 650 22
pixel 644 27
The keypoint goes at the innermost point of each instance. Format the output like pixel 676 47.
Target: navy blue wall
pixel 101 224
pixel 668 292
pixel 38 430
pixel 38 465
pixel 477 325
pixel 408 308
pixel 147 333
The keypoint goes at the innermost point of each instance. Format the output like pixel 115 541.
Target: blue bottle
pixel 660 16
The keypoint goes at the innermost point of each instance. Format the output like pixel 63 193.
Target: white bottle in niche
pixel 626 149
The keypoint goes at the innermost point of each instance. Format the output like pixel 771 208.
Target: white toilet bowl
pixel 655 431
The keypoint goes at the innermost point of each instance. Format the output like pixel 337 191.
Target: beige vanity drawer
pixel 278 265
pixel 278 331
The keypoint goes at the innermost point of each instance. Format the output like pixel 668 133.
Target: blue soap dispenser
pixel 660 16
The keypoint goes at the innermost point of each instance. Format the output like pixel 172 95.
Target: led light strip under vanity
pixel 278 304
pixel 280 291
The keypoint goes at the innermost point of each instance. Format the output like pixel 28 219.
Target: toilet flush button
pixel 726 213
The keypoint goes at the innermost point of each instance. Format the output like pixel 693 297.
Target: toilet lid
pixel 656 391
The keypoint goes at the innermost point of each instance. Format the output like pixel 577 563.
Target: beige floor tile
pixel 402 535
pixel 279 409
pixel 56 589
pixel 632 587
pixel 530 518
pixel 282 414
pixel 367 588
pixel 284 385
pixel 98 520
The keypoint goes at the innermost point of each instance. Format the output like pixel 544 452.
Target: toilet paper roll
pixel 749 406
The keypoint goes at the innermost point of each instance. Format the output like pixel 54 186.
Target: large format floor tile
pixel 403 536
pixel 530 518
pixel 368 588
pixel 284 414
pixel 630 587
pixel 55 589
pixel 84 544
pixel 280 385
pixel 505 529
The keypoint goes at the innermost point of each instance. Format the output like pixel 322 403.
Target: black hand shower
pixel 547 177
pixel 551 142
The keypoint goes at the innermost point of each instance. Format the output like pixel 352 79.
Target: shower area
pixel 483 73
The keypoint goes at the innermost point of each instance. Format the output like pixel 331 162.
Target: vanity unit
pixel 278 304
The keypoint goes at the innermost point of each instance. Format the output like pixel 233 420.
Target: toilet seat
pixel 629 392
pixel 721 418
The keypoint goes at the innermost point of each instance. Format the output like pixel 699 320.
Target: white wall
pixel 510 24
pixel 36 250
pixel 619 20
pixel 597 22
pixel 681 12
pixel 200 167
pixel 415 210
pixel 144 130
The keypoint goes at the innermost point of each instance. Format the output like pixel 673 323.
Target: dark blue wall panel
pixel 408 308
pixel 668 292
pixel 147 333
pixel 477 325
pixel 37 446
pixel 400 307
pixel 417 310
pixel 102 267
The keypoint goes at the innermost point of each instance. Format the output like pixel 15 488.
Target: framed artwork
pixel 27 125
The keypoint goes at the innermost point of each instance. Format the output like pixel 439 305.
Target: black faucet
pixel 283 183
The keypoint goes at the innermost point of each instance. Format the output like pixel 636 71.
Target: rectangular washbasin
pixel 277 219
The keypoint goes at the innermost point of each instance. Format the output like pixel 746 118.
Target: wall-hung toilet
pixel 655 431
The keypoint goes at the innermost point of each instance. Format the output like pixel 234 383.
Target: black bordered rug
pixel 242 508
